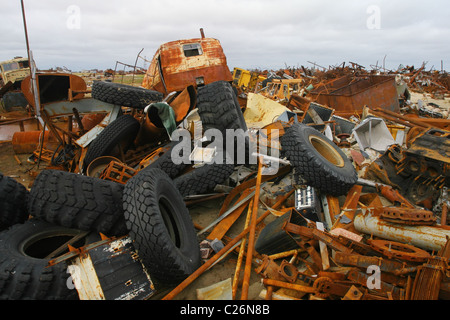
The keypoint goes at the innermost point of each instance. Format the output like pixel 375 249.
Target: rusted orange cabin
pixel 182 63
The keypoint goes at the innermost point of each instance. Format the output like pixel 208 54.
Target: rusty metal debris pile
pixel 343 196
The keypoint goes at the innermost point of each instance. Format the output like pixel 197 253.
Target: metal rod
pixel 444 213
pixel 241 253
pixel 218 255
pixel 224 215
pixel 251 237
pixel 288 285
pixel 26 34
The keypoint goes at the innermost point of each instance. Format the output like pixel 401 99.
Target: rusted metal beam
pixel 224 225
pixel 288 285
pixel 241 254
pixel 251 237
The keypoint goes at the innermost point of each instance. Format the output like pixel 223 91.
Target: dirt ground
pixel 21 170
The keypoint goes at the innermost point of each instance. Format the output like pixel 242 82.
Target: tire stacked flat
pixel 77 201
pixel 124 95
pixel 28 277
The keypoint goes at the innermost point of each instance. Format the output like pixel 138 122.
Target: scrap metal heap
pixel 356 210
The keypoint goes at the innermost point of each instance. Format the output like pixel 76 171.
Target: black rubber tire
pixel 124 95
pixel 219 108
pixel 24 271
pixel 13 202
pixel 165 163
pixel 203 179
pixel 76 201
pixel 122 130
pixel 305 148
pixel 161 226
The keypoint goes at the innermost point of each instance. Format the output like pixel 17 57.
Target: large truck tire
pixel 318 160
pixel 13 202
pixel 124 95
pixel 166 164
pixel 24 270
pixel 122 131
pixel 219 108
pixel 203 179
pixel 76 201
pixel 160 226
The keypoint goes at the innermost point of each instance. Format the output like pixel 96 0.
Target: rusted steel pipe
pixel 269 293
pixel 444 214
pixel 219 254
pixel 399 118
pixel 285 254
pixel 241 254
pixel 251 237
pixel 425 237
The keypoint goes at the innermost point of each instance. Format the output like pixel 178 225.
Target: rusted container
pixel 181 63
pixel 54 86
pixel 28 141
pixel 349 94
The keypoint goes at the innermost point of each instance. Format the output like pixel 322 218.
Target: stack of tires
pixel 64 207
pixel 123 131
pixel 153 200
pixel 218 109
pixel 60 208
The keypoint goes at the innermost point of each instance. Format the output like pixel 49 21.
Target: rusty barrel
pixel 28 141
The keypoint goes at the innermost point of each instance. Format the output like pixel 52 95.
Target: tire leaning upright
pixel 318 160
pixel 122 131
pixel 160 226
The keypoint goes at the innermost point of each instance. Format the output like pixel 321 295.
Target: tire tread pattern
pixel 124 127
pixel 124 95
pixel 329 179
pixel 165 262
pixel 76 201
pixel 27 278
pixel 13 202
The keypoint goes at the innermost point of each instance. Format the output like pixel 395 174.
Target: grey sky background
pixel 262 34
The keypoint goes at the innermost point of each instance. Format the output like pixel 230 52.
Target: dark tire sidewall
pixel 167 262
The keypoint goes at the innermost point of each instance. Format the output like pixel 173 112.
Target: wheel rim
pixel 327 151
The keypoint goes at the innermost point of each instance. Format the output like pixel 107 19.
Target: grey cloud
pixel 254 33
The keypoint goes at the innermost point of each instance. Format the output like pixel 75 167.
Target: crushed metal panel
pixel 262 111
pixel 428 158
pixel 349 94
pixel 373 133
pixel 54 87
pixel 111 271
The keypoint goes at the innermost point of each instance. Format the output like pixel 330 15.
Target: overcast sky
pixel 262 34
